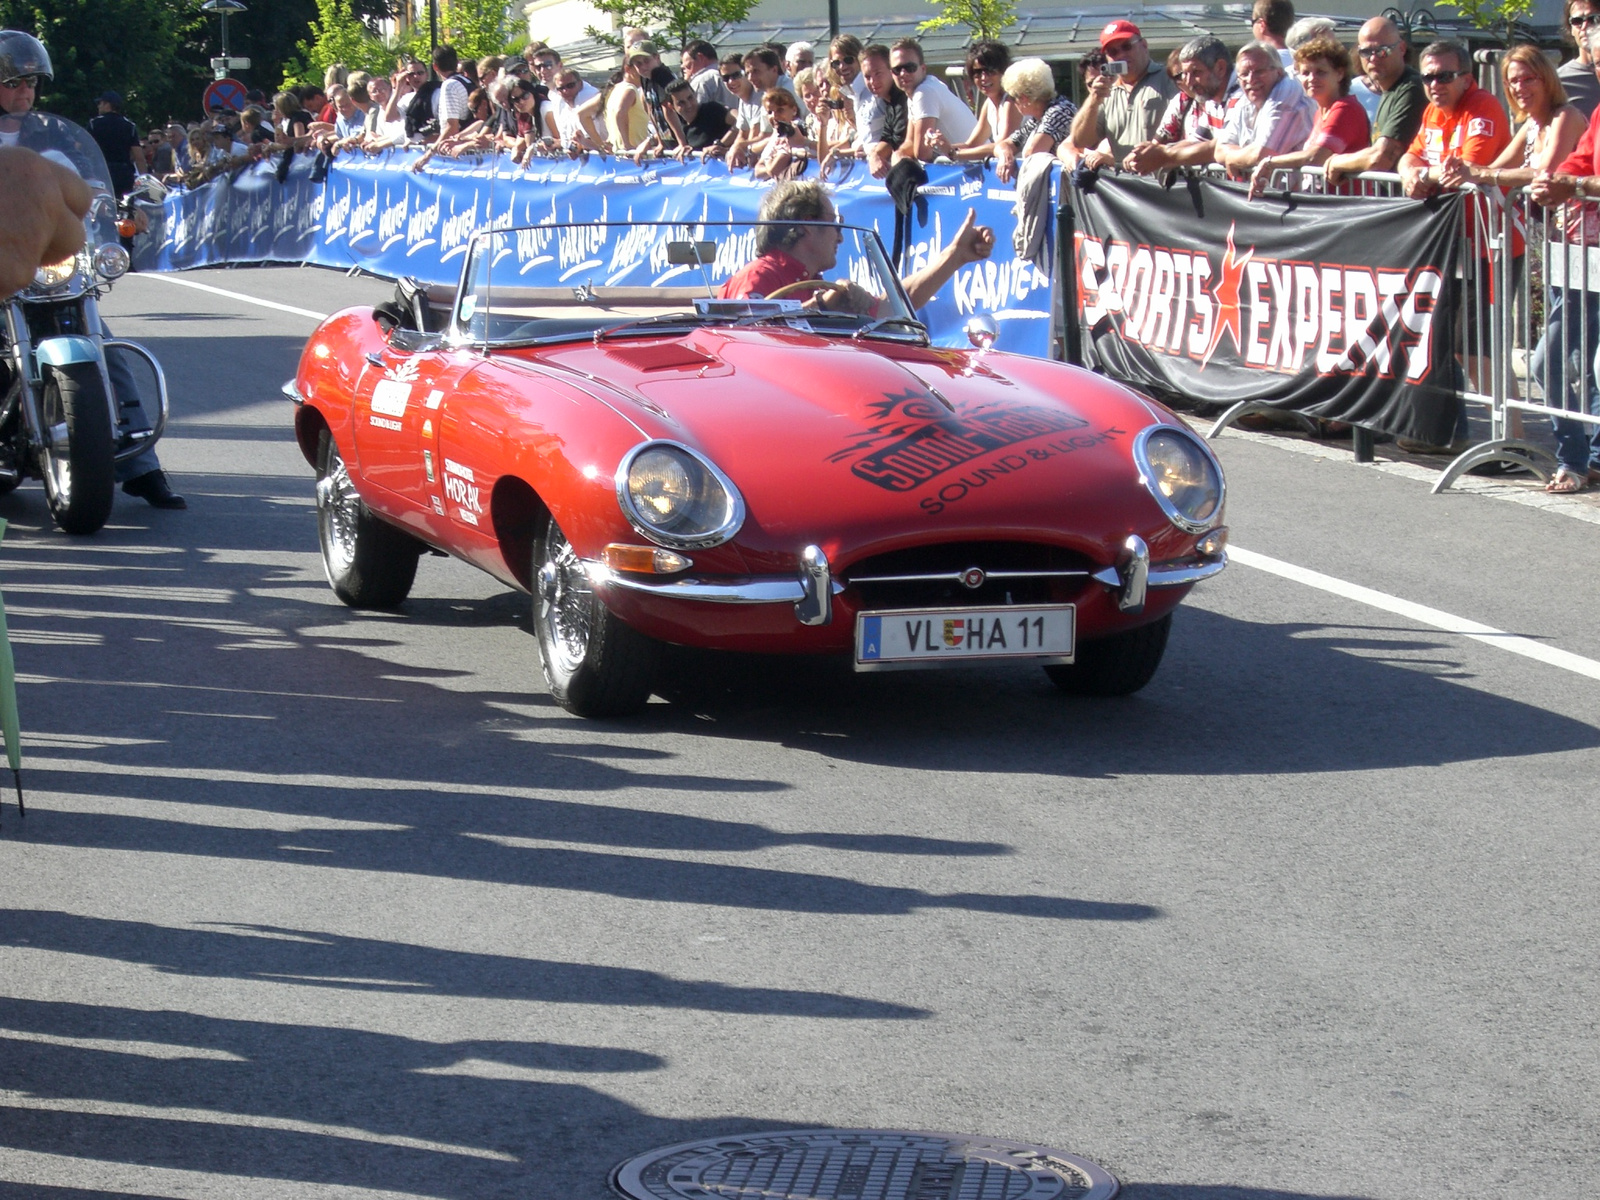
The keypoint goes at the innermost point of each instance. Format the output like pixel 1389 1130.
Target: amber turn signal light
pixel 644 560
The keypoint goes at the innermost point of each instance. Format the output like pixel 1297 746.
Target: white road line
pixel 216 291
pixel 1421 613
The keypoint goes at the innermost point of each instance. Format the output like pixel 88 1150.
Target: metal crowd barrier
pixel 1546 335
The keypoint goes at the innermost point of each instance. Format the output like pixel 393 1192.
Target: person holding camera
pixel 1125 103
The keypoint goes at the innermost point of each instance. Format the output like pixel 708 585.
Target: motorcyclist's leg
pixel 140 475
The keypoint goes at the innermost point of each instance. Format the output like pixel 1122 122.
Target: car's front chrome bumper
pixel 813 589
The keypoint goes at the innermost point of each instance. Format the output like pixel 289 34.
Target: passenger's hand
pixel 45 206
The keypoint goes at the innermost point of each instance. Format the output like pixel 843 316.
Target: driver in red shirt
pixel 792 254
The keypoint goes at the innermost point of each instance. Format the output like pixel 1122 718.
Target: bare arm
pixel 971 243
pixel 1382 155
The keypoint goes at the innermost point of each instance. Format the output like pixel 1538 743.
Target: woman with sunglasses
pixel 998 114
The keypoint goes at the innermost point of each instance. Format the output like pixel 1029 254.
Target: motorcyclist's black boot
pixel 153 486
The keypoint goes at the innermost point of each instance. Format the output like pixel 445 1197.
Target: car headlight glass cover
pixel 675 497
pixel 1182 474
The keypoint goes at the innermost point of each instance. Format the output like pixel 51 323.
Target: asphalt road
pixel 313 903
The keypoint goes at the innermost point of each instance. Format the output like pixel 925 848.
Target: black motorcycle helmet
pixel 23 54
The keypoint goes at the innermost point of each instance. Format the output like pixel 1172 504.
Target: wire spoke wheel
pixel 595 665
pixel 369 563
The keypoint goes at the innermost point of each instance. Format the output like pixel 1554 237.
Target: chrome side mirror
pixel 982 331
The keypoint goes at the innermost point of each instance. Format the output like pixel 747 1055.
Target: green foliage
pixel 340 34
pixel 151 51
pixel 987 18
pixel 476 28
pixel 337 36
pixel 671 22
pixel 1499 17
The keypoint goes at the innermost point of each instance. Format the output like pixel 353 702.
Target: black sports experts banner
pixel 1333 306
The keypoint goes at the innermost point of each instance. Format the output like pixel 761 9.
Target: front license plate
pixel 933 637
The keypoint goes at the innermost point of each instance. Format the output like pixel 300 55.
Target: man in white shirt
pixel 800 56
pixel 574 112
pixel 450 101
pixel 931 107
pixel 1273 116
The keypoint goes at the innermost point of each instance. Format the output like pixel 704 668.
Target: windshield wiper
pixel 648 323
pixel 916 327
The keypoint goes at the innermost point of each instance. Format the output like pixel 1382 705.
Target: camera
pixel 1114 67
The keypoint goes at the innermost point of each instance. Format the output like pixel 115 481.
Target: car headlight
pixel 55 274
pixel 676 498
pixel 1182 475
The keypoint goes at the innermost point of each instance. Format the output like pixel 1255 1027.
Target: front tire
pixel 594 664
pixel 369 563
pixel 78 458
pixel 1115 666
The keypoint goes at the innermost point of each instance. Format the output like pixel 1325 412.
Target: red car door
pixel 397 402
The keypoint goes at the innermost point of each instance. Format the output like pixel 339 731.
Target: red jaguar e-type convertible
pixel 587 418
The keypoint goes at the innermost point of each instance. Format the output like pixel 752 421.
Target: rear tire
pixel 594 664
pixel 79 475
pixel 369 563
pixel 1115 666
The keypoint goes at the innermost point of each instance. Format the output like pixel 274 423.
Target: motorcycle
pixel 61 421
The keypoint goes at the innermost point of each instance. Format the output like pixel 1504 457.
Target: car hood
pixel 866 445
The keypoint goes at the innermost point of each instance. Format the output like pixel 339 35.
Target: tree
pixel 1506 19
pixel 476 28
pixel 674 22
pixel 987 18
pixel 337 36
pixel 150 51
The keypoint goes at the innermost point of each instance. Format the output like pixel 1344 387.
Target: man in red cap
pixel 1124 109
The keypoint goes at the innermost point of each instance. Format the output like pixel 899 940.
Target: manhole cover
pixel 861 1164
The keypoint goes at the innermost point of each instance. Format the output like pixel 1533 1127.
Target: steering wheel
pixel 827 285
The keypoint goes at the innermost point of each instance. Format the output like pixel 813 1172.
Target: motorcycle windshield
pixel 71 146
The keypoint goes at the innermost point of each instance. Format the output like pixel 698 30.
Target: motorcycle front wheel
pixel 78 456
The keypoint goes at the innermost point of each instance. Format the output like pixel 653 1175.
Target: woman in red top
pixel 1342 126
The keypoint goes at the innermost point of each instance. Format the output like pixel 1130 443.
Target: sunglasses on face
pixel 1374 52
pixel 844 60
pixel 1441 77
pixel 976 71
pixel 545 65
pixel 1587 21
pixel 733 77
pixel 22 81
pixel 567 87
pixel 906 68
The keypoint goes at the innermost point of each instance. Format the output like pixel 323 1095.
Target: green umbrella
pixel 8 699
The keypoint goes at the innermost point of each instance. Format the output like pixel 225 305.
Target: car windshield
pixel 548 283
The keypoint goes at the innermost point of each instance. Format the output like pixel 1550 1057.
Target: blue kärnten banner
pixel 378 214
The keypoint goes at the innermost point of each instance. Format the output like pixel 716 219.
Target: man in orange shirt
pixel 1463 123
pixel 1462 120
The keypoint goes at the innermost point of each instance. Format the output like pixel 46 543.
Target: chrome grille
pixel 968 573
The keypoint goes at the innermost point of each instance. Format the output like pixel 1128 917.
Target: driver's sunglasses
pixel 22 81
pixel 1441 77
pixel 906 69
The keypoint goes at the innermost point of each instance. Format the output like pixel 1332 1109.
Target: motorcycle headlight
pixel 111 261
pixel 55 274
pixel 1182 475
pixel 676 498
